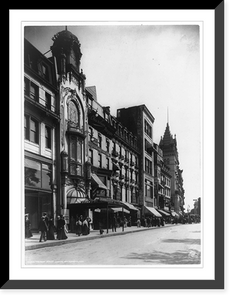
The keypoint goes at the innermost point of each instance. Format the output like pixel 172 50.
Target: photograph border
pixel 218 282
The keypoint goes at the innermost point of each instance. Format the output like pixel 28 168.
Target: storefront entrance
pixel 35 204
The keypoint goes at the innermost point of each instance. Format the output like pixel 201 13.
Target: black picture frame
pixel 218 282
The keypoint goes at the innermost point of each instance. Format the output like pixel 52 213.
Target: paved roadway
pixel 178 244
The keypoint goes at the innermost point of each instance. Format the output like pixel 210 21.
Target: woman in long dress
pixel 51 229
pixel 60 229
pixel 79 226
pixel 28 233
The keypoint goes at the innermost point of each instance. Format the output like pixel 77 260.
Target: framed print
pixel 118 118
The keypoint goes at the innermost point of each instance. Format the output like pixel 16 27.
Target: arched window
pixel 73 113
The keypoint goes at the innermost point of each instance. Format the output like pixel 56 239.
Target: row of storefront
pixel 79 159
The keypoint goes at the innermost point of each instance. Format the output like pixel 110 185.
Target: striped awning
pixel 162 212
pixel 130 206
pixel 153 211
pixel 99 184
pixel 75 196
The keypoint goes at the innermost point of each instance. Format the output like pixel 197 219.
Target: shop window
pixel 32 173
pixel 37 174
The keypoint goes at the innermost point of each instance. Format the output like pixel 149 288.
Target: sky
pixel 155 65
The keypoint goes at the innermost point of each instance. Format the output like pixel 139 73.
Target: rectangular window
pixel 99 140
pixel 47 137
pixel 148 128
pixel 34 131
pixel 107 145
pixel 148 188
pixel 107 163
pixel 91 156
pixel 75 156
pixel 48 100
pixel 148 166
pixel 45 72
pixel 100 160
pixel 26 127
pixel 34 92
pixel 26 86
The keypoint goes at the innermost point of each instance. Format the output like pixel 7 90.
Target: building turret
pixel 66 49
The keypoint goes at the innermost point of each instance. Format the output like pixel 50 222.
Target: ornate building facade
pixel 72 139
pixel 168 144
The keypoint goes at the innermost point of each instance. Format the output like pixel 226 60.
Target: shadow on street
pixel 175 258
pixel 185 241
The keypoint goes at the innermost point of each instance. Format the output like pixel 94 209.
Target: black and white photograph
pixel 116 149
pixel 113 121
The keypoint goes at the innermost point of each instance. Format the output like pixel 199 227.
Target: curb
pixel 87 238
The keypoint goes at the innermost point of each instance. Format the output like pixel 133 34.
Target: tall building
pixel 139 120
pixel 72 148
pixel 168 144
pixel 41 128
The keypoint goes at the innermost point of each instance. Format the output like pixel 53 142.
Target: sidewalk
pixel 33 242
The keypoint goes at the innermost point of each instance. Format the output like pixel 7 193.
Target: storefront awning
pixel 75 196
pixel 174 214
pixel 153 211
pixel 119 209
pixel 164 213
pixel 130 206
pixel 99 184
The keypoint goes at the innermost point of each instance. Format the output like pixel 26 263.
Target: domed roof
pixel 65 35
pixel 65 40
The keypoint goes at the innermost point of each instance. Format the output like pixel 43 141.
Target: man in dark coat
pixel 43 229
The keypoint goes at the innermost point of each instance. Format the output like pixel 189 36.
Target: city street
pixel 170 245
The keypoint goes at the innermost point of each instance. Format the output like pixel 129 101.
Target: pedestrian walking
pixel 28 233
pixel 114 223
pixel 138 223
pixel 61 228
pixel 79 225
pixel 46 219
pixel 51 229
pixel 43 229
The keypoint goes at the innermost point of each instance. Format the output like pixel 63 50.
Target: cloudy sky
pixel 155 65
